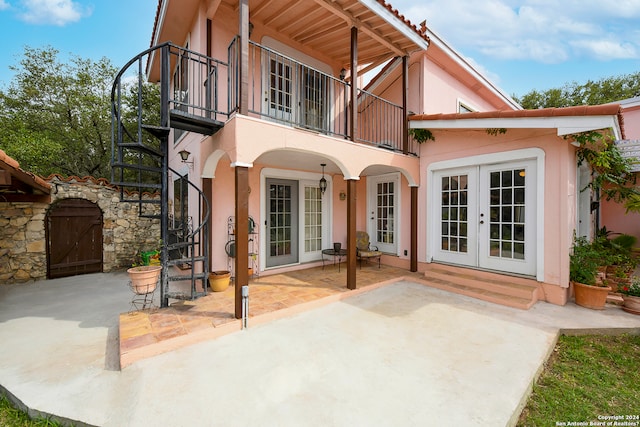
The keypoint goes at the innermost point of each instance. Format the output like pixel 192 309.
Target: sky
pixel 520 45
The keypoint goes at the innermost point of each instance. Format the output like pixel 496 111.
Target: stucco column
pixel 241 235
pixel 351 234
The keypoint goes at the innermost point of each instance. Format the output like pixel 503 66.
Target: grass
pixel 587 377
pixel 12 417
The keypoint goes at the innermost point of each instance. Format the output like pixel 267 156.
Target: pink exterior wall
pixel 559 192
pixel 442 91
pixel 613 215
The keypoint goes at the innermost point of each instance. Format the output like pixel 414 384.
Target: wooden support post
pixel 351 234
pixel 242 235
pixel 243 96
pixel 353 122
pixel 405 100
pixel 414 229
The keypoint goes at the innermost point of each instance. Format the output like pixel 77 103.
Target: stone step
pixel 492 287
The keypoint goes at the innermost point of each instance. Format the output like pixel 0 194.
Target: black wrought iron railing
pixel 288 91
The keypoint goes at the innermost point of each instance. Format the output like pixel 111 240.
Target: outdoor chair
pixel 364 250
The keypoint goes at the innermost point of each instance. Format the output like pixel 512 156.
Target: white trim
pixel 395 22
pixel 465 104
pixel 565 125
pixel 301 177
pixel 482 159
pixel 394 177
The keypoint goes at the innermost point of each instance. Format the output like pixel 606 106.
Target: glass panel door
pixel 507 217
pixel 312 219
pixel 280 97
pixel 456 216
pixel 314 92
pixel 383 212
pixel 282 222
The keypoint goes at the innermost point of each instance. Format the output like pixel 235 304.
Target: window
pixel 462 108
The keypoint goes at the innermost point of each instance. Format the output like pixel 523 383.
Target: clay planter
pixel 593 297
pixel 631 304
pixel 144 278
pixel 219 280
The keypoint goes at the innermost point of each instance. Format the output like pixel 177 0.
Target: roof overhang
pixel 323 26
pixel 17 185
pixel 565 120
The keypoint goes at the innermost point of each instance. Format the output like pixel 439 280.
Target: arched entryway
pixel 74 238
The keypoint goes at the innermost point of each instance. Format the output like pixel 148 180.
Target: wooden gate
pixel 74 238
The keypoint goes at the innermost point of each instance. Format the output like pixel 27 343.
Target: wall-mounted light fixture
pixel 323 181
pixel 343 195
pixel 184 155
pixel 343 74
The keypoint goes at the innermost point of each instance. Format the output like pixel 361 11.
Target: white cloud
pixel 54 12
pixel 4 5
pixel 546 31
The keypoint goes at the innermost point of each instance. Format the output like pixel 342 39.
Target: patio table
pixel 337 255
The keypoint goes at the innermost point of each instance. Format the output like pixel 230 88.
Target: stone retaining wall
pixel 23 248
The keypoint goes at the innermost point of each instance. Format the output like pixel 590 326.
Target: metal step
pixel 185 296
pixel 179 261
pixel 157 131
pixel 192 123
pixel 137 185
pixel 137 146
pixel 188 277
pixel 137 167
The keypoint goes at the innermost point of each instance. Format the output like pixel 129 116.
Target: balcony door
pixel 296 94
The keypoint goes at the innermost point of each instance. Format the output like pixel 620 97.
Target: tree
pixel 56 117
pixel 603 91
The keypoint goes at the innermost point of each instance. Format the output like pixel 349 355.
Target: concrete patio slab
pixel 402 354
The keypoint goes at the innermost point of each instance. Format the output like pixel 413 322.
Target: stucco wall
pixel 23 248
pixel 559 196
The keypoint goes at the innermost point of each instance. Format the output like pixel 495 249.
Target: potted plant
pixel 590 292
pixel 145 272
pixel 631 296
pixel 219 280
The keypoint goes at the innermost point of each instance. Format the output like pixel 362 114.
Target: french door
pixel 485 216
pixel 383 203
pixel 282 222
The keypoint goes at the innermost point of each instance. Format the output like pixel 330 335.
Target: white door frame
pixel 372 182
pixel 506 231
pixel 303 178
pixel 433 190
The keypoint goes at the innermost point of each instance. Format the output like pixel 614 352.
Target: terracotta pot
pixel 631 304
pixel 593 297
pixel 219 280
pixel 144 278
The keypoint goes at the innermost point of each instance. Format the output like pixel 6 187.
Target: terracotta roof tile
pixel 22 174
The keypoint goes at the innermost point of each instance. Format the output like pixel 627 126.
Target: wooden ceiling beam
pixel 353 21
pixel 317 26
pixel 257 10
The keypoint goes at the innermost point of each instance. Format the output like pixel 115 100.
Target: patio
pixel 150 332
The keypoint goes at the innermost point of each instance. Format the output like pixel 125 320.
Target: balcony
pixel 285 90
pixel 199 93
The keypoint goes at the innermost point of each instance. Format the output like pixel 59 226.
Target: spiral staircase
pixel 150 105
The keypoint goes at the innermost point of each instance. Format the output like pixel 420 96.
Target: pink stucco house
pixel 614 215
pixel 270 130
